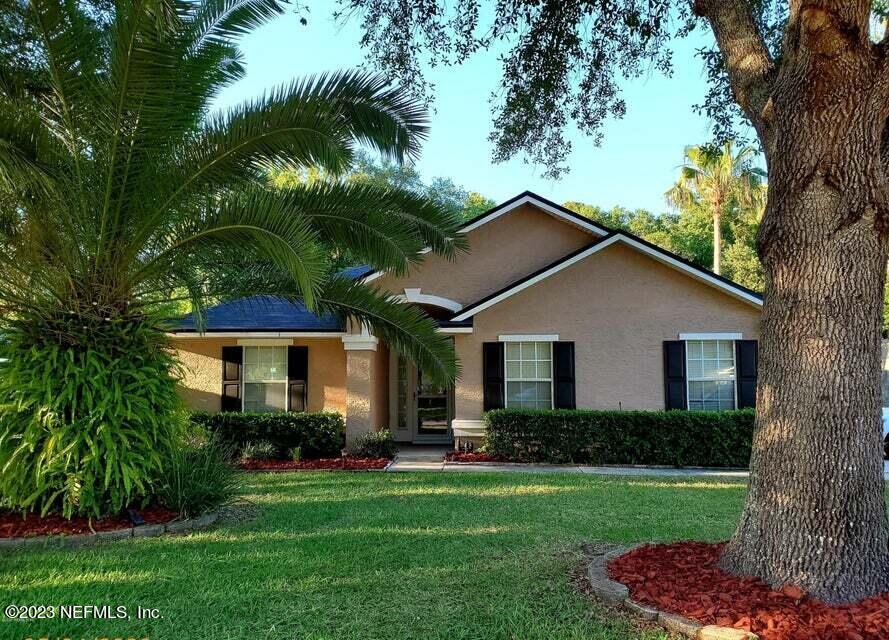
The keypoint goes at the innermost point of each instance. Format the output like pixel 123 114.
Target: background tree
pixel 20 50
pixel 739 259
pixel 120 194
pixel 383 173
pixel 688 233
pixel 720 182
pixel 811 79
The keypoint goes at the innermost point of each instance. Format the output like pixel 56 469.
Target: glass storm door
pixel 433 408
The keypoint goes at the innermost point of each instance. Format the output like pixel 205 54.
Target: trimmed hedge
pixel 374 444
pixel 679 438
pixel 319 435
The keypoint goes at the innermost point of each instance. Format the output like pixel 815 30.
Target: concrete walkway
pixel 415 457
pixel 431 458
pixel 489 467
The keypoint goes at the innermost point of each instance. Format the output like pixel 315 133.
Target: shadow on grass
pixel 377 556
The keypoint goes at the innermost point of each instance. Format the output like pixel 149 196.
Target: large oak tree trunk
pixel 815 514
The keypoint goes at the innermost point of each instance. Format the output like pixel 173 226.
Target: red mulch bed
pixel 347 463
pixel 13 525
pixel 457 456
pixel 683 578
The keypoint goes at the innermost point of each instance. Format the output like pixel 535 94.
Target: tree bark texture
pixel 815 514
pixel 717 242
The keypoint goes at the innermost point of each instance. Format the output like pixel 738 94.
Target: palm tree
pixel 721 182
pixel 122 192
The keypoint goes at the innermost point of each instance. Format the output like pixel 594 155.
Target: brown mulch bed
pixel 457 456
pixel 347 463
pixel 683 578
pixel 14 525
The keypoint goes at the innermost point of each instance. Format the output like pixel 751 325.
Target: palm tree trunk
pixel 717 241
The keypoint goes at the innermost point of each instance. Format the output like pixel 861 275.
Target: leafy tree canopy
pixel 383 173
pixel 562 62
pixel 689 233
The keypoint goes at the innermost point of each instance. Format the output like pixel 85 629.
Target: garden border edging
pixel 77 541
pixel 617 594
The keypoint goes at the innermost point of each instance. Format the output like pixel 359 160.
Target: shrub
pixel 262 450
pixel 296 454
pixel 375 444
pixel 89 410
pixel 319 435
pixel 680 438
pixel 198 479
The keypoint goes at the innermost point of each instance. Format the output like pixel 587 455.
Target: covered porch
pixel 385 390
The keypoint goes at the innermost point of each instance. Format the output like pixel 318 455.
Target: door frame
pixel 404 424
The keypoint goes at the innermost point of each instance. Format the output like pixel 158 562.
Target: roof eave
pixel 526 197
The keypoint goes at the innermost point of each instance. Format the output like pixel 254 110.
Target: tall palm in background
pixel 121 192
pixel 721 182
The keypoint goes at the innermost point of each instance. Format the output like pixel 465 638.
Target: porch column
pixel 360 384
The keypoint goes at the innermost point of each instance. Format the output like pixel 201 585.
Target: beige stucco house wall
pixel 201 360
pixel 498 252
pixel 617 306
pixel 532 269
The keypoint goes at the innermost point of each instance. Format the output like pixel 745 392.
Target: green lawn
pixel 336 555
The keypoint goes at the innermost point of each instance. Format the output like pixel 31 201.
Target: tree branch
pixel 750 68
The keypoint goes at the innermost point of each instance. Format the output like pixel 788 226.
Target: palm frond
pixel 257 225
pixel 22 140
pixel 71 48
pixel 312 122
pixel 222 21
pixel 405 328
pixel 146 197
pixel 384 227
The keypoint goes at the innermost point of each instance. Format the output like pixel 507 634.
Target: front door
pixel 433 410
pixel 423 411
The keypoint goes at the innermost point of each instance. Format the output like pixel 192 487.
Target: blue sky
pixel 633 168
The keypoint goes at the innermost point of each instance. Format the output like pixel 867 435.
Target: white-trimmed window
pixel 529 375
pixel 710 371
pixel 265 378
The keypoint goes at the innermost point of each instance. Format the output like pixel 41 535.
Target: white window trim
pixel 285 382
pixel 551 380
pixel 531 337
pixel 265 342
pixel 734 377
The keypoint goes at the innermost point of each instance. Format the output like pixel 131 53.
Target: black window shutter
pixel 674 375
pixel 492 372
pixel 563 367
pixel 298 377
pixel 232 363
pixel 746 365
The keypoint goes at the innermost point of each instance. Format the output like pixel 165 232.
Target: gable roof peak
pixel 525 197
pixel 643 246
pixel 548 206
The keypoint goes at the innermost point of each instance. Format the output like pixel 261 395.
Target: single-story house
pixel 547 309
